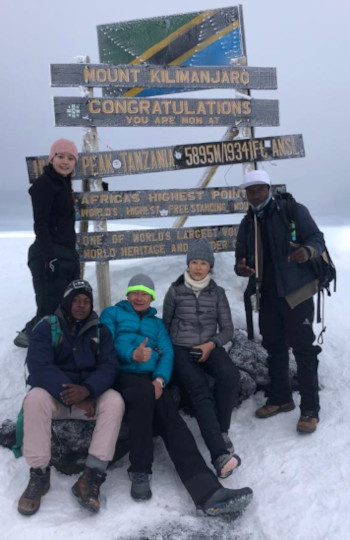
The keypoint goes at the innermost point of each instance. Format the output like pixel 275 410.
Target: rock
pixel 70 443
pixel 251 358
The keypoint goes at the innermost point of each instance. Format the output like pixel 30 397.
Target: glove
pixel 52 269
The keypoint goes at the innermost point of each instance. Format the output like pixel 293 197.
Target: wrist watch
pixel 161 381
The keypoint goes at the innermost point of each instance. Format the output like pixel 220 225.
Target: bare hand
pixel 206 349
pixel 300 255
pixel 158 389
pixel 142 354
pixel 243 269
pixel 89 406
pixel 73 393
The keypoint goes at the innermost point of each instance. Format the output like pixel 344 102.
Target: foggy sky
pixel 307 41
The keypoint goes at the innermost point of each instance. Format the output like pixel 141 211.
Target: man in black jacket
pixel 72 367
pixel 275 255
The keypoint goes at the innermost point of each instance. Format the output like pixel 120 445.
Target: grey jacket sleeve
pixel 225 323
pixel 169 307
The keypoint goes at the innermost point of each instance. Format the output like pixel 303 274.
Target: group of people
pixel 120 365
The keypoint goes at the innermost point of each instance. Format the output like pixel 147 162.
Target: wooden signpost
pixel 151 76
pixel 158 57
pixel 154 112
pixel 162 203
pixel 171 158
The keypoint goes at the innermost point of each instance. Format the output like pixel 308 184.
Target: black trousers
pixel 282 327
pixel 212 409
pixel 144 415
pixel 48 294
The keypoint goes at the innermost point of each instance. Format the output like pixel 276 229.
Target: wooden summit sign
pixel 155 112
pixel 170 158
pixel 185 77
pixel 131 244
pixel 98 205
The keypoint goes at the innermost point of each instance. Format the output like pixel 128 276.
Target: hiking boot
pixel 87 488
pixel 140 488
pixel 226 464
pixel 270 410
pixel 307 424
pixel 38 486
pixel 22 339
pixel 226 502
pixel 228 443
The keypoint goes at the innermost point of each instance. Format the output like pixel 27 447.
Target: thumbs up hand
pixel 142 354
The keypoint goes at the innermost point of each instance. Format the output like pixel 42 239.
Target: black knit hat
pixel 200 249
pixel 78 286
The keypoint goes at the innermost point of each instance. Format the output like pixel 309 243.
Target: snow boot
pixel 22 339
pixel 271 410
pixel 140 488
pixel 226 464
pixel 87 489
pixel 38 486
pixel 226 502
pixel 307 424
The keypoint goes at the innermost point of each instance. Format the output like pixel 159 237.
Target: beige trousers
pixel 40 408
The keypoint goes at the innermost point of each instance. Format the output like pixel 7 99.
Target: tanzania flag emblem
pixel 205 38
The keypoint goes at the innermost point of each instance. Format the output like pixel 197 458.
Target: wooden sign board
pixel 148 76
pixel 170 158
pixel 238 151
pixel 162 203
pixel 133 244
pixel 156 112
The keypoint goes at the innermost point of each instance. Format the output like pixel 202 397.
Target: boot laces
pixel 35 485
pixel 94 481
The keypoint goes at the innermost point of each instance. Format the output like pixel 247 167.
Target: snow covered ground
pixel 301 483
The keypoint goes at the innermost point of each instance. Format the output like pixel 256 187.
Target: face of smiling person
pixel 63 163
pixel 139 300
pixel 81 307
pixel 198 269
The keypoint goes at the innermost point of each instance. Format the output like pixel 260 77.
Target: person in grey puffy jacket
pixel 197 315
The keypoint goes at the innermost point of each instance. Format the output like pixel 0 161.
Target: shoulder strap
pixel 56 330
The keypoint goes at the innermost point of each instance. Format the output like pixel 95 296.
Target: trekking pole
pixel 249 311
pixel 257 272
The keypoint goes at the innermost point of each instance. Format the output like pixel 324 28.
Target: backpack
pixel 322 266
pixel 56 339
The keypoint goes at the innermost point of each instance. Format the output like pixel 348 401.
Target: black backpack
pixel 323 266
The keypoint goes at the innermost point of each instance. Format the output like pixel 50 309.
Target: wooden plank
pixel 170 158
pixel 238 151
pixel 162 203
pixel 154 112
pixel 133 244
pixel 150 76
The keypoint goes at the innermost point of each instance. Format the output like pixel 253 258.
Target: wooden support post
pixel 90 144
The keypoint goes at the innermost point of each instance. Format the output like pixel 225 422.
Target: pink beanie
pixel 63 146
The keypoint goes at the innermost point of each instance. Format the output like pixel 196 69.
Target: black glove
pixel 52 269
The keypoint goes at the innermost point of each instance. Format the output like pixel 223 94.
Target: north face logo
pixel 307 322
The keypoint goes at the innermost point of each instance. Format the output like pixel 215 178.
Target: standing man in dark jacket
pixel 52 258
pixel 275 256
pixel 70 380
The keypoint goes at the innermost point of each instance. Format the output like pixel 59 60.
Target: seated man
pixel 72 366
pixel 146 359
